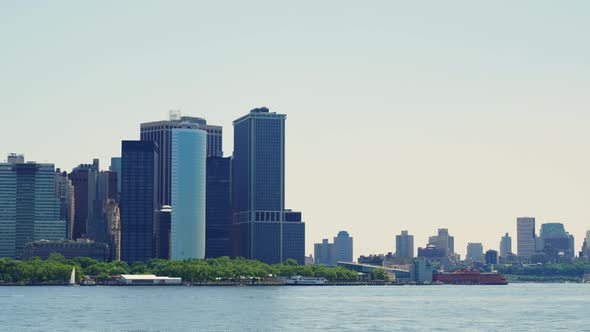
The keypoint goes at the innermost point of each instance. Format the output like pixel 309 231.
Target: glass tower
pixel 139 200
pixel 263 228
pixel 189 157
pixel 29 206
pixel 218 207
pixel 161 133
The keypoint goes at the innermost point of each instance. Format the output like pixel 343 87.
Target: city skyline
pixel 400 117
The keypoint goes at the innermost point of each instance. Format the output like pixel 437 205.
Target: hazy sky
pixel 401 114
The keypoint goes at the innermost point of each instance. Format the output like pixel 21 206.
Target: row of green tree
pixel 547 270
pixel 57 270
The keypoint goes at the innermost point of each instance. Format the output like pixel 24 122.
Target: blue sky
pixel 401 115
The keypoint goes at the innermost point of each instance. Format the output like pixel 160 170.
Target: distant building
pixel 116 168
pixel 69 249
pixel 189 162
pixel 148 280
pixel 491 257
pixel 376 260
pixel 505 246
pixel 556 242
pixel 324 253
pixel 161 133
pixel 475 252
pixel 113 217
pixel 218 207
pixel 84 179
pixel 263 229
pixel 105 190
pixel 67 200
pixel 343 247
pixel 525 237
pixel 139 200
pixel 29 205
pixel 404 245
pixel 443 241
pixel 431 252
pixel 164 232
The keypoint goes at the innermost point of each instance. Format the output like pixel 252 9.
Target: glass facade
pixel 139 200
pixel 189 155
pixel 263 229
pixel 343 247
pixel 161 133
pixel 218 207
pixel 29 207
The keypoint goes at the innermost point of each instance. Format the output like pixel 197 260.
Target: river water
pixel 516 307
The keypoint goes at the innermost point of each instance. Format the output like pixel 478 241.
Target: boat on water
pixel 469 277
pixel 305 281
pixel 73 277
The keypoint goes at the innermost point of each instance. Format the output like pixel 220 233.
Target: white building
pixel 148 280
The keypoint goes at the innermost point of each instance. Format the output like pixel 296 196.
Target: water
pixel 516 307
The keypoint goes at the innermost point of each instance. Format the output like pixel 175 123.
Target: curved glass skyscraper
pixel 189 162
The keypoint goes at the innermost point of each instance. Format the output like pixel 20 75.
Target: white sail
pixel 73 277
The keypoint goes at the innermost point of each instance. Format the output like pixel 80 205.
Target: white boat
pixel 305 281
pixel 73 277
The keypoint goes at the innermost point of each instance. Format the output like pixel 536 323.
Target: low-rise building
pixel 69 249
pixel 147 280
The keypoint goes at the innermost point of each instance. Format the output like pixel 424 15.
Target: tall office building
pixel 556 242
pixel 343 247
pixel 84 179
pixel 106 190
pixel 263 228
pixel 324 253
pixel 67 200
pixel 525 237
pixel 139 200
pixel 161 133
pixel 475 252
pixel 189 162
pixel 29 205
pixel 443 241
pixel 404 245
pixel 218 207
pixel 491 257
pixel 505 246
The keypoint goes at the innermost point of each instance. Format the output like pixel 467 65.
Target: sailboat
pixel 73 277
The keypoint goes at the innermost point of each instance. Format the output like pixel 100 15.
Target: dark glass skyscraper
pixel 263 228
pixel 218 207
pixel 139 200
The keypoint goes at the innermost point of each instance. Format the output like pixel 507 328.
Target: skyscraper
pixel 189 162
pixel 525 237
pixel 84 179
pixel 475 252
pixel 218 207
pixel 67 200
pixel 29 206
pixel 263 228
pixel 443 241
pixel 505 246
pixel 404 245
pixel 161 133
pixel 343 247
pixel 556 242
pixel 139 200
pixel 324 253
